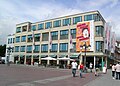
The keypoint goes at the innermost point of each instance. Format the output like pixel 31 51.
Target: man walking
pixel 74 67
pixel 118 71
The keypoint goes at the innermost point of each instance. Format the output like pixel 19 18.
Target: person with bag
pixel 81 67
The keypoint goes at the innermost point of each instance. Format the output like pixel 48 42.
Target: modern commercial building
pixel 53 38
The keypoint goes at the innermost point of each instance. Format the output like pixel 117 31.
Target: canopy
pixel 65 58
pixel 48 58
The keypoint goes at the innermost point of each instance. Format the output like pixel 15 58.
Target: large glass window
pixel 77 19
pixel 41 26
pixel 44 48
pixel 54 48
pixel 45 36
pixel 99 31
pixel 73 33
pixel 54 35
pixel 63 47
pixel 29 48
pixel 22 49
pixel 99 46
pixel 48 25
pixel 57 23
pixel 17 48
pixel 64 34
pixel 33 27
pixel 37 48
pixel 17 39
pixel 29 38
pixel 18 29
pixel 37 37
pixel 94 17
pixel 8 40
pixel 23 39
pixel 24 28
pixel 66 21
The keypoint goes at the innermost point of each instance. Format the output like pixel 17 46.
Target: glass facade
pixel 63 47
pixel 17 39
pixel 29 38
pixel 17 48
pixel 29 48
pixel 22 49
pixel 41 26
pixel 23 39
pixel 37 37
pixel 77 19
pixel 48 25
pixel 99 46
pixel 64 34
pixel 33 27
pixel 45 36
pixel 99 30
pixel 44 48
pixel 57 23
pixel 73 33
pixel 18 29
pixel 54 48
pixel 54 35
pixel 66 21
pixel 37 48
pixel 94 17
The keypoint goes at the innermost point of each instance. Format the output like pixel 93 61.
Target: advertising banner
pixel 85 35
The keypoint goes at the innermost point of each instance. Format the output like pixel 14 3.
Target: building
pixel 117 51
pixel 32 40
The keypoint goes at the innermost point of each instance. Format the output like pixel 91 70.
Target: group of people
pixel 116 71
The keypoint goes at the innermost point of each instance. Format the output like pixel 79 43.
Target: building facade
pixel 32 40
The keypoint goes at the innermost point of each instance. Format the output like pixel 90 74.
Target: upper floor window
pixel 73 33
pixel 64 34
pixel 17 39
pixel 48 25
pixel 54 48
pixel 18 29
pixel 24 28
pixel 29 48
pixel 23 39
pixel 17 48
pixel 94 17
pixel 66 21
pixel 29 38
pixel 37 48
pixel 63 47
pixel 99 46
pixel 33 27
pixel 54 35
pixel 99 30
pixel 40 26
pixel 37 37
pixel 22 49
pixel 77 19
pixel 45 36
pixel 57 23
pixel 44 48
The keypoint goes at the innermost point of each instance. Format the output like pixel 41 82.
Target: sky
pixel 13 12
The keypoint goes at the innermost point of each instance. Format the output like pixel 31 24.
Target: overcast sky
pixel 13 12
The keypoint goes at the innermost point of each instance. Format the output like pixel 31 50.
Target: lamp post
pixel 85 47
pixel 8 57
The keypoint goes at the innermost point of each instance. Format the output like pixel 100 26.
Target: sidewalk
pixel 104 80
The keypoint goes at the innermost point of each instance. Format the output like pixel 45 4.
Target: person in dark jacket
pixel 96 69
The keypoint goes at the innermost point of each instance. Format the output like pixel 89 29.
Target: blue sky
pixel 13 12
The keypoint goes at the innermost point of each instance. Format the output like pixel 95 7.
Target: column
pixel 25 60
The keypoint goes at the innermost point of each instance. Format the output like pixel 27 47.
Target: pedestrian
pixel 104 69
pixel 113 71
pixel 81 67
pixel 96 69
pixel 74 67
pixel 91 67
pixel 118 71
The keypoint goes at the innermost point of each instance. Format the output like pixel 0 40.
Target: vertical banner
pixel 50 41
pixel 85 33
pixel 33 39
pixel 113 40
pixel 70 39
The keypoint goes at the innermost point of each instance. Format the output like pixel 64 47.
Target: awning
pixel 43 56
pixel 53 56
pixel 74 56
pixel 35 56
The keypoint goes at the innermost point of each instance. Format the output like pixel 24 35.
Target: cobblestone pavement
pixel 17 75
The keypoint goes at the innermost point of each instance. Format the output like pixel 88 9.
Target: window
pixel 16 48
pixel 73 33
pixel 57 23
pixel 64 34
pixel 24 28
pixel 44 48
pixel 74 47
pixel 99 31
pixel 23 39
pixel 13 40
pixel 33 28
pixel 45 36
pixel 8 40
pixel 29 48
pixel 54 48
pixel 77 19
pixel 18 29
pixel 22 49
pixel 37 48
pixel 94 17
pixel 37 37
pixel 48 25
pixel 41 26
pixel 66 21
pixel 99 46
pixel 54 35
pixel 29 38
pixel 63 47
pixel 17 39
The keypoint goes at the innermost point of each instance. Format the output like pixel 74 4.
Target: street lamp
pixel 85 47
pixel 8 57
